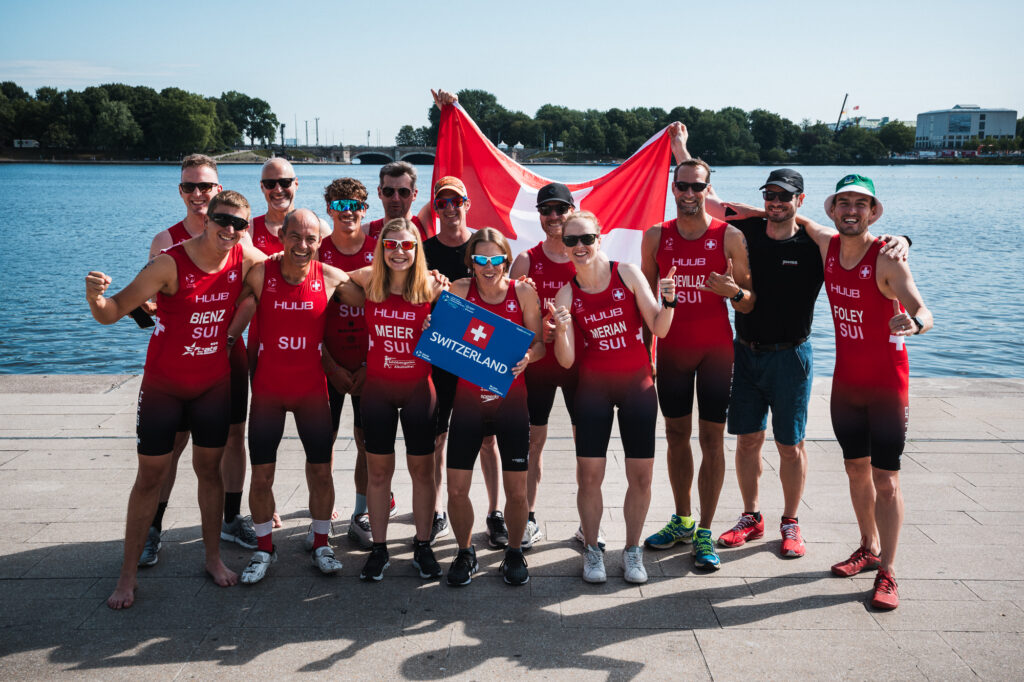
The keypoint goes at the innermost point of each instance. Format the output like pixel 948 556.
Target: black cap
pixel 555 191
pixel 786 178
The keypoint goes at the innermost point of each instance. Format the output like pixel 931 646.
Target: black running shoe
pixel 423 559
pixel 374 567
pixel 439 528
pixel 497 532
pixel 513 568
pixel 463 568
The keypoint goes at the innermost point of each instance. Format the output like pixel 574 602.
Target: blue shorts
pixel 780 380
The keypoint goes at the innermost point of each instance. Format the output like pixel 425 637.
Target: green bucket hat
pixel 860 184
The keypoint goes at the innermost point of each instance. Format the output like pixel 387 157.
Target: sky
pixel 366 68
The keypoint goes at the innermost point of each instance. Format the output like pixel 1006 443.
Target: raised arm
pixel 160 274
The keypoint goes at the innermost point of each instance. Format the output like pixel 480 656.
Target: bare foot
pixel 123 596
pixel 335 515
pixel 221 574
pixel 277 521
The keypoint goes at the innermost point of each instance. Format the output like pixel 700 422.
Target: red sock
pixel 265 543
pixel 319 540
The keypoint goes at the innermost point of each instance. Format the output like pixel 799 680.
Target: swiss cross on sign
pixel 865 272
pixel 478 333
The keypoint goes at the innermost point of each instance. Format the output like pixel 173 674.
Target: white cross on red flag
pixel 626 201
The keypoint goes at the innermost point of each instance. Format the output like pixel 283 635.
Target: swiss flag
pixel 478 333
pixel 626 201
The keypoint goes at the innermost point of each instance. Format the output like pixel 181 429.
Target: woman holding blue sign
pixel 609 302
pixel 399 292
pixel 478 412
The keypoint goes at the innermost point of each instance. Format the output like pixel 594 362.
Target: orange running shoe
pixel 886 595
pixel 860 560
pixel 792 542
pixel 747 528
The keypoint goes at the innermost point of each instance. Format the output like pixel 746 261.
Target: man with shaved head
pixel 278 184
pixel 293 295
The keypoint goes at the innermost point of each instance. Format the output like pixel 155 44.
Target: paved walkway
pixel 67 463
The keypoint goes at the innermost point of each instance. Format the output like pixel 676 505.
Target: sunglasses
pixel 695 186
pixel 457 202
pixel 389 192
pixel 777 196
pixel 573 239
pixel 490 260
pixel 349 205
pixel 189 187
pixel 560 209
pixel 228 220
pixel 284 183
pixel 393 244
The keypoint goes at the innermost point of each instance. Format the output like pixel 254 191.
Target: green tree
pixel 897 137
pixel 574 139
pixel 860 146
pixel 6 120
pixel 406 136
pixel 771 131
pixel 57 136
pixel 616 141
pixel 116 128
pixel 185 123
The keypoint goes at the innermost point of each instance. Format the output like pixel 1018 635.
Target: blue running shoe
pixel 674 531
pixel 704 554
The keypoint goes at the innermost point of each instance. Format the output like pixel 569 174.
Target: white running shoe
pixel 593 565
pixel 307 542
pixel 359 531
pixel 531 535
pixel 633 565
pixel 240 531
pixel 258 565
pixel 323 558
pixel 600 537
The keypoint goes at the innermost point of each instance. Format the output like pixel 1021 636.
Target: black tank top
pixel 787 276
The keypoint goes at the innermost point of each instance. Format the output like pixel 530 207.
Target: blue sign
pixel 473 343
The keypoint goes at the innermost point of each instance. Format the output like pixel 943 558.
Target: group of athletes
pixel 337 310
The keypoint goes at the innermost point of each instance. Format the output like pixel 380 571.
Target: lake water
pixel 57 222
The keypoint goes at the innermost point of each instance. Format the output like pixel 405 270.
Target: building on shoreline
pixel 953 128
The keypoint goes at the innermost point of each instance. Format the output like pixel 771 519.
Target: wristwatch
pixel 919 323
pixel 738 297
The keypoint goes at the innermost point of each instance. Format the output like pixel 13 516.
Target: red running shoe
pixel 886 595
pixel 747 528
pixel 792 542
pixel 861 560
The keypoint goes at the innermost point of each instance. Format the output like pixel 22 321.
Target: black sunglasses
pixel 389 192
pixel 228 220
pixel 560 209
pixel 777 196
pixel 695 186
pixel 573 239
pixel 189 187
pixel 285 183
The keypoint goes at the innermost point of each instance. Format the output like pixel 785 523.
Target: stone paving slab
pixel 67 463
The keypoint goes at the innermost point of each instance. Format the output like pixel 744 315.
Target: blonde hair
pixel 583 215
pixel 417 287
pixel 488 234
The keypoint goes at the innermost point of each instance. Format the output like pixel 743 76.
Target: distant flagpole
pixel 842 110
